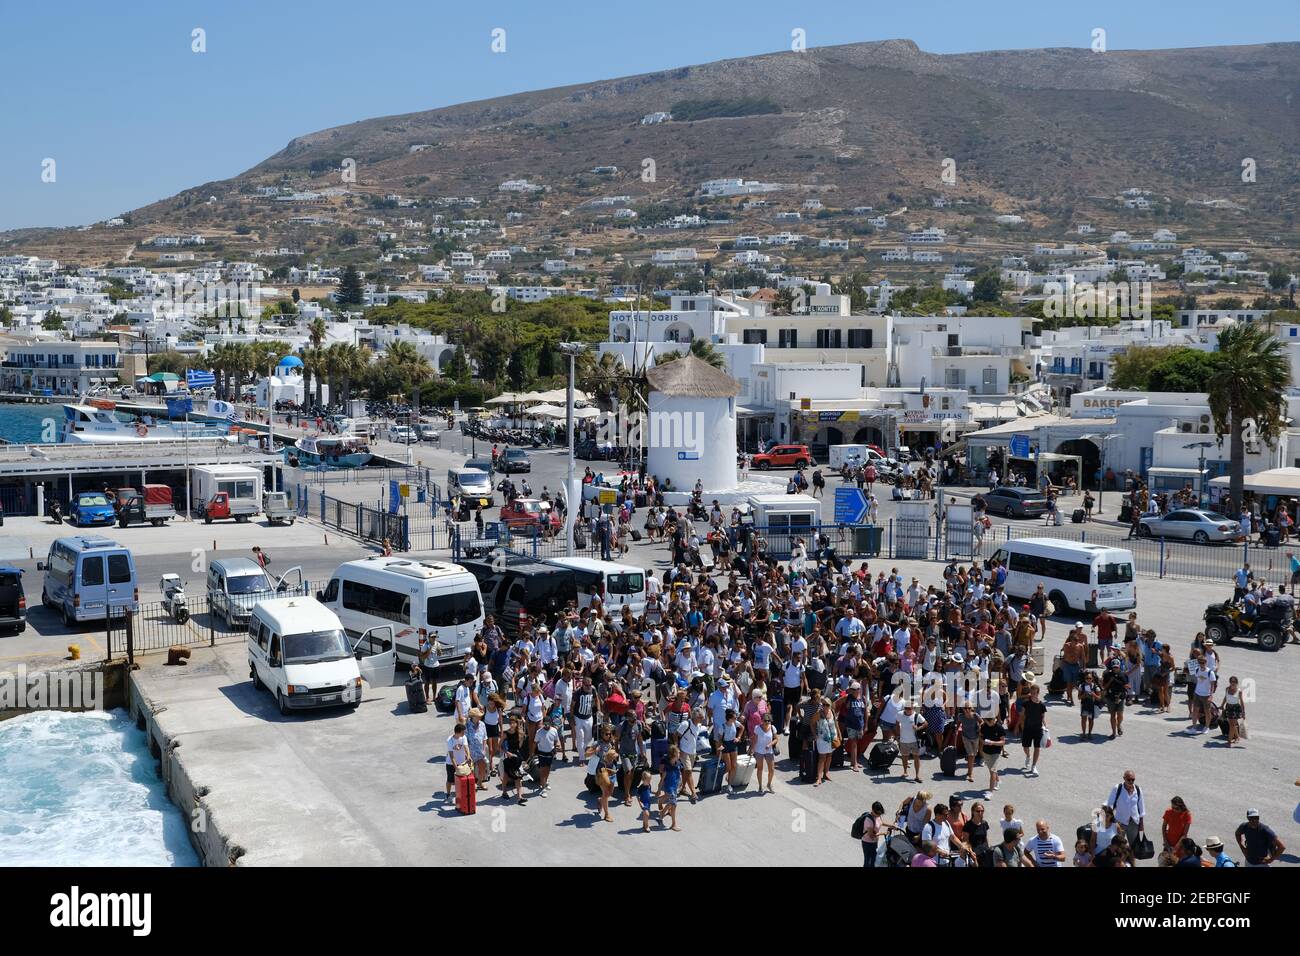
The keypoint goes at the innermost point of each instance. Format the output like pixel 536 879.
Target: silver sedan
pixel 1190 524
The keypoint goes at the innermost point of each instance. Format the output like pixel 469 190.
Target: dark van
pixel 13 600
pixel 516 588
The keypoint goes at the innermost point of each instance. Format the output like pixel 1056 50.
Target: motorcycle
pixel 173 598
pixel 56 512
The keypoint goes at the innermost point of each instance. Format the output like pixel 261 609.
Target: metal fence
pixel 1160 557
pixel 320 475
pixel 155 626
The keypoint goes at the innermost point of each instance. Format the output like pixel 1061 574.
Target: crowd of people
pixel 733 665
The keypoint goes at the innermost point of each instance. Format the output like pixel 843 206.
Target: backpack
pixel 1114 801
pixel 859 826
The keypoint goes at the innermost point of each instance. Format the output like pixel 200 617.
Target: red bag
pixel 1013 716
pixel 466 793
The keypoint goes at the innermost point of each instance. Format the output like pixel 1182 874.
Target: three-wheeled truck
pixel 153 505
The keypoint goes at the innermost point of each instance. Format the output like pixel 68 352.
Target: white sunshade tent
pixel 506 398
pixel 1274 481
pixel 545 411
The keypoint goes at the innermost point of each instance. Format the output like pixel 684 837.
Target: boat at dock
pixel 99 423
pixel 335 451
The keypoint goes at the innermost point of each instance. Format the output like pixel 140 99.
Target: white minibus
pixel 615 584
pixel 1075 575
pixel 433 598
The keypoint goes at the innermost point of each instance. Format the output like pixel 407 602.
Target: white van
pixel 470 483
pixel 431 598
pixel 1076 576
pixel 297 650
pixel 618 585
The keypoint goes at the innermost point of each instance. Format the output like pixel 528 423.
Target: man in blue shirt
pixel 1240 581
pixel 1214 846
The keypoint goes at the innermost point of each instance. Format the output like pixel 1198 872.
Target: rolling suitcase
pixel 882 755
pixel 948 762
pixel 745 764
pixel 466 793
pixel 1078 516
pixel 711 775
pixel 658 753
pixel 808 766
pixel 795 743
pixel 838 757
pixel 415 697
pixel 636 535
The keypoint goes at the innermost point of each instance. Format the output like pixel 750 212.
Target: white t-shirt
pixel 939 833
pixel 546 738
pixel 793 675
pixel 762 740
pixel 1039 847
pixel 457 750
pixel 907 728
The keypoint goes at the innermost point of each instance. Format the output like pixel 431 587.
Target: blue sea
pixel 22 424
pixel 82 790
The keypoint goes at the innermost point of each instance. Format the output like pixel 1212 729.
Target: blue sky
pixel 113 93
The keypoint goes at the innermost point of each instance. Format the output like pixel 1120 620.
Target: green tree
pixel 988 288
pixel 1131 369
pixel 53 322
pixel 1247 392
pixel 702 350
pixel 457 367
pixel 1185 370
pixel 351 289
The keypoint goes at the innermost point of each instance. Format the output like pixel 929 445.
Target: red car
pixel 784 456
pixel 530 513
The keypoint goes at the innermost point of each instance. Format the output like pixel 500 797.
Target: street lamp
pixel 571 496
pixel 1102 440
pixel 1200 469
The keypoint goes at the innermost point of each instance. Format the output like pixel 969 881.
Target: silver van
pixel 87 578
pixel 236 584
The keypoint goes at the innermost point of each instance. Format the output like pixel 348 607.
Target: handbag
pixel 1241 728
pixel 1143 848
pixel 1047 738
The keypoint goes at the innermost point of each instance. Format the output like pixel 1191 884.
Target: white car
pixel 402 434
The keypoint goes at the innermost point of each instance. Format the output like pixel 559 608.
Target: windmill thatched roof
pixel 691 377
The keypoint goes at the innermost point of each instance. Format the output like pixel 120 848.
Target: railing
pixel 155 626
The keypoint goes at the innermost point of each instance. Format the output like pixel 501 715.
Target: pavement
pixel 365 787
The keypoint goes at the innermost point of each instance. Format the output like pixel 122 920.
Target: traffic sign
pixel 1019 446
pixel 850 505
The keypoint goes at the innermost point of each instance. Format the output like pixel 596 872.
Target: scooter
pixel 173 597
pixel 56 512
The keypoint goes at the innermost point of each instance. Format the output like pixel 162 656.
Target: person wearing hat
pixel 1214 846
pixel 910 727
pixel 853 715
pixel 1259 844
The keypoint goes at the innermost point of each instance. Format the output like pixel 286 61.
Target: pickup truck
pixel 154 506
pixel 278 510
pixel 221 507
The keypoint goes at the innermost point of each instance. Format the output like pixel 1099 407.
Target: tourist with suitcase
pixel 457 755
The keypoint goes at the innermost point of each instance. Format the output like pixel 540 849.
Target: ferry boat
pixel 98 423
pixel 337 451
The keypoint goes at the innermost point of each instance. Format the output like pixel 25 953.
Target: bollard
pixel 327 541
pixel 74 652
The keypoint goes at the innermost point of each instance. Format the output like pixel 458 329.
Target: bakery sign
pixel 1088 406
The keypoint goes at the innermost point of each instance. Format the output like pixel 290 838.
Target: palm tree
pixel 316 331
pixel 313 370
pixel 1247 392
pixel 702 350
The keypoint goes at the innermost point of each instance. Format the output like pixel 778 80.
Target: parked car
pixel 428 431
pixel 235 585
pixel 402 434
pixel 784 456
pixel 530 513
pixel 1191 524
pixel 1016 502
pixel 588 449
pixel 515 459
pixel 13 600
pixel 92 508
pixel 518 589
